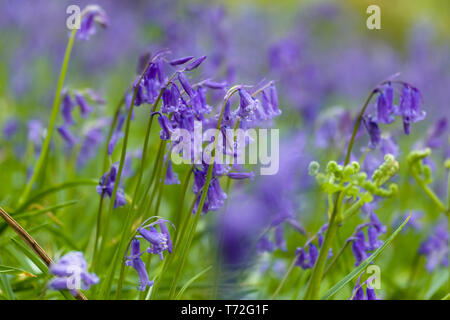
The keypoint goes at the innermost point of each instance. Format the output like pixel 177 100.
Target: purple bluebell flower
pixel 179 61
pixel 214 85
pixel 134 260
pixel 71 273
pixel 265 245
pixel 10 127
pixel 159 241
pixel 358 291
pixel 185 84
pixel 195 64
pixel 171 177
pixel 166 127
pixel 409 107
pixel 247 105
pixel 435 248
pixel 90 145
pixel 385 105
pixel 436 136
pixel 92 14
pixel 82 103
pixel 106 186
pixel 67 136
pixel 35 130
pixel 374 131
pixel 67 107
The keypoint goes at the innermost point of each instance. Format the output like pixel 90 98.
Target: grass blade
pixel 365 263
pixel 190 281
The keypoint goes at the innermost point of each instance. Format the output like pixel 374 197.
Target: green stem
pixel 55 111
pixel 429 192
pixel 192 230
pixel 335 219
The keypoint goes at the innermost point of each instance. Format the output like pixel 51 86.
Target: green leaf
pixel 51 208
pixel 190 281
pixel 13 270
pixel 364 264
pixel 31 255
pixel 56 188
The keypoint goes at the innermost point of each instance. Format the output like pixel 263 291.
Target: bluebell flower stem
pixel 199 210
pixel 108 280
pixel 40 165
pixel 312 292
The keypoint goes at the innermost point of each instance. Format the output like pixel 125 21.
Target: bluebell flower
pixel 84 106
pixel 67 136
pixel 92 14
pixel 90 145
pixel 265 245
pixel 171 177
pixel 374 131
pixel 71 272
pixel 195 64
pixel 106 186
pixel 159 241
pixel 179 61
pixel 67 107
pixel 10 127
pixel 409 107
pixel 358 291
pixel 185 84
pixel 134 260
pixel 435 248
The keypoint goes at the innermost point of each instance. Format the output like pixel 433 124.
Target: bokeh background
pixel 324 62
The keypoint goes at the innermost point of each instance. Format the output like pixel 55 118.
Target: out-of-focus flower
pixel 106 186
pixel 71 273
pixel 10 128
pixel 91 15
pixel 435 248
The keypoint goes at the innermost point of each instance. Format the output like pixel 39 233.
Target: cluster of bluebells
pixel 71 273
pixel 308 254
pixel 408 108
pixel 184 103
pixel 159 241
pixel 361 247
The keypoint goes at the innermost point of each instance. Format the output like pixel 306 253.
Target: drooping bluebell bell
pixel 195 64
pixel 134 260
pixel 91 15
pixel 358 291
pixel 159 241
pixel 265 245
pixel 185 84
pixel 247 105
pixel 374 131
pixel 241 175
pixel 214 85
pixel 436 136
pixel 179 61
pixel 171 177
pixel 435 248
pixel 10 127
pixel 361 247
pixel 35 132
pixel 71 273
pixel 385 105
pixel 68 137
pixel 409 107
pixel 67 107
pixel 106 186
pixel 166 127
pixel 306 260
pixel 88 150
pixel 85 109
